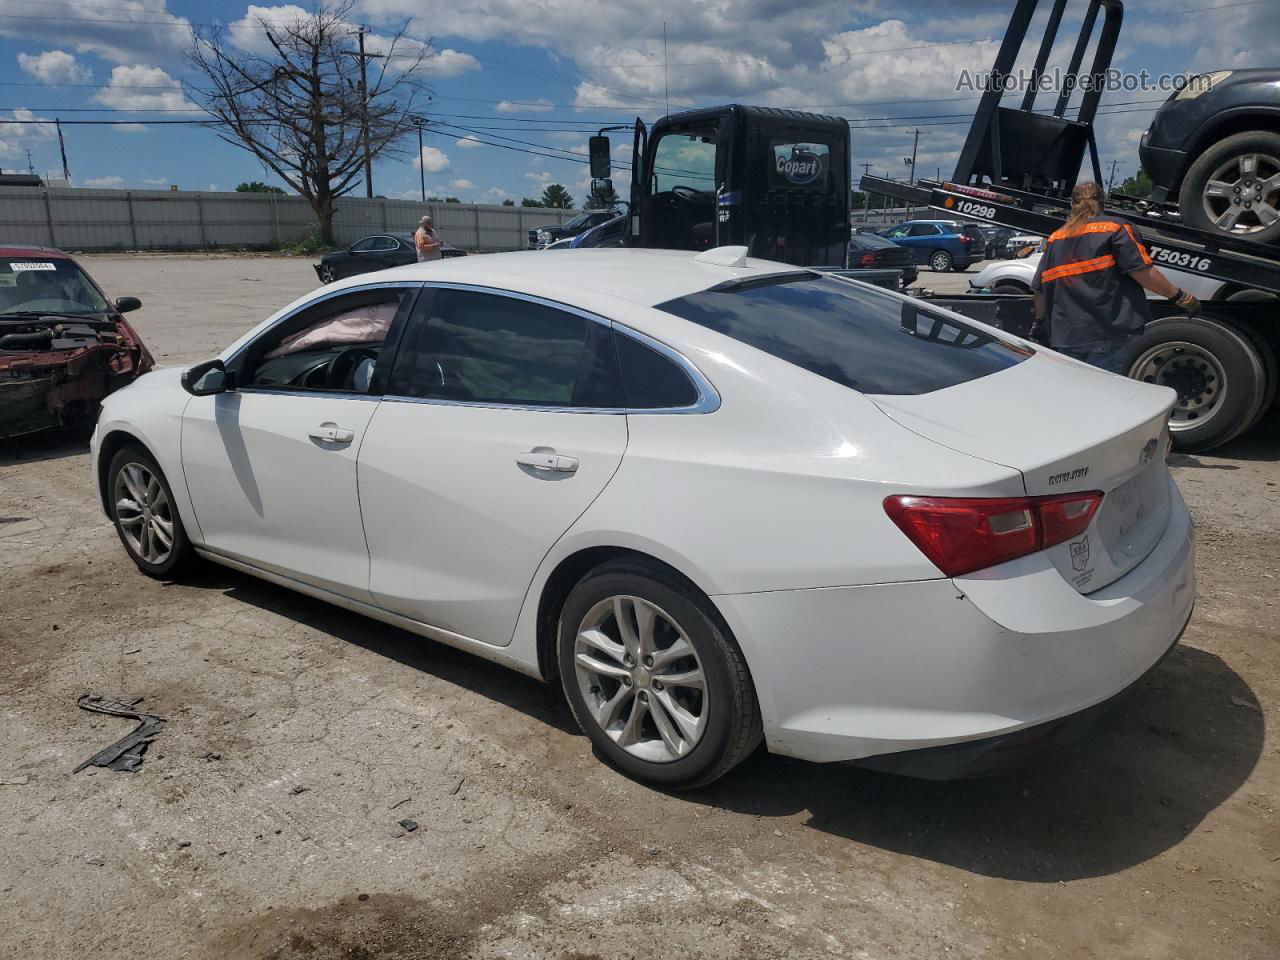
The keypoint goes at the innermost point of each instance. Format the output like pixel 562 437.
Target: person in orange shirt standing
pixel 426 241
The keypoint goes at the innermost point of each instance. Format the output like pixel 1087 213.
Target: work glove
pixel 1039 333
pixel 1188 302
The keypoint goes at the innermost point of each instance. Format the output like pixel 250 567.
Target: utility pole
pixel 31 168
pixel 914 144
pixel 364 58
pixel 866 196
pixel 1112 178
pixel 419 122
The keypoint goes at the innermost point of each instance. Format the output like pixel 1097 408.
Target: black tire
pixel 733 725
pixel 1217 373
pixel 1011 287
pixel 1270 383
pixel 181 556
pixel 1191 201
pixel 327 273
pixel 960 267
pixel 940 261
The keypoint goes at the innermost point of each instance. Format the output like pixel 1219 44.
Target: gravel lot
pixel 265 820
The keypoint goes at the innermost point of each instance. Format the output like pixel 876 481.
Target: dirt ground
pixel 265 821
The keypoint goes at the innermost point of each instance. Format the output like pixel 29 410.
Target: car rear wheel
pixel 1233 187
pixel 940 261
pixel 653 678
pixel 1217 374
pixel 327 273
pixel 146 519
pixel 1011 287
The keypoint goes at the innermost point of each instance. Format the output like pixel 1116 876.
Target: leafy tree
pixel 555 195
pixel 452 200
pixel 257 186
pixel 602 199
pixel 1139 185
pixel 530 202
pixel 508 202
pixel 297 106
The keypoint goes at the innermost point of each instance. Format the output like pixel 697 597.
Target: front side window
pixel 34 285
pixel 332 346
pixel 857 336
pixel 484 348
pixel 923 230
pixel 685 160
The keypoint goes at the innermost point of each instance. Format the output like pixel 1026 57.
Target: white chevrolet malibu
pixel 723 500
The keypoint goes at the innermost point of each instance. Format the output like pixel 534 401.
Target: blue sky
pixel 544 73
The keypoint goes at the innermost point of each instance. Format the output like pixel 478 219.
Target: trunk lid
pixel 1066 429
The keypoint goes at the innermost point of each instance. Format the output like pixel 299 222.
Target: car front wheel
pixel 940 261
pixel 146 520
pixel 1233 188
pixel 327 273
pixel 653 679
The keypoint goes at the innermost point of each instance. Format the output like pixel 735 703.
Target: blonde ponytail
pixel 1086 203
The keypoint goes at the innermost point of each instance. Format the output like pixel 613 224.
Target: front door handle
pixel 551 462
pixel 331 433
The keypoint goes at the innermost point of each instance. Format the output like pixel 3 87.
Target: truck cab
pixel 774 181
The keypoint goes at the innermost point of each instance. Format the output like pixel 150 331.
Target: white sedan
pixel 722 500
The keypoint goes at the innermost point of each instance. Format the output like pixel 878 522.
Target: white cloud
pixel 449 63
pixel 541 105
pixel 248 34
pixel 156 181
pixel 25 129
pixel 104 182
pixel 462 184
pixel 129 127
pixel 143 88
pixel 468 142
pixel 53 67
pixel 123 31
pixel 432 160
pixel 541 178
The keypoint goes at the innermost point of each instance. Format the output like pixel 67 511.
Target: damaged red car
pixel 63 345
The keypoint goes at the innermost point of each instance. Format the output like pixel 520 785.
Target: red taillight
pixel 868 259
pixel 961 534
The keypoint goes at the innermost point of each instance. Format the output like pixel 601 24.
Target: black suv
pixel 1214 146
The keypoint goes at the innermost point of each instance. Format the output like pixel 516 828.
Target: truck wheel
pixel 940 261
pixel 1216 373
pixel 1233 188
pixel 1270 369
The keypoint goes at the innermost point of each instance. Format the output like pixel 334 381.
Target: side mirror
pixel 205 379
pixel 598 151
pixel 126 304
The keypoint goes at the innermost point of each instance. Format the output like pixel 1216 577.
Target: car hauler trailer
pixel 1017 168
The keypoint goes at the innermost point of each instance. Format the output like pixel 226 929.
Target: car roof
pixel 30 250
pixel 644 277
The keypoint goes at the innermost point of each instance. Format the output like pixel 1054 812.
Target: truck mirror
pixel 598 151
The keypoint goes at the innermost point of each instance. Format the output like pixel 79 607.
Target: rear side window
pixel 483 348
pixel 651 381
pixel 860 337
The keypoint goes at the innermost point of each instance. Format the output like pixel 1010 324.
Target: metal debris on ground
pixel 409 825
pixel 126 753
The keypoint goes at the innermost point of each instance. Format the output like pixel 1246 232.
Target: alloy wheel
pixel 641 679
pixel 1243 194
pixel 144 512
pixel 327 274
pixel 1192 371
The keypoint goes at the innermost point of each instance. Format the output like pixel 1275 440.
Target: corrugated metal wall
pixel 75 219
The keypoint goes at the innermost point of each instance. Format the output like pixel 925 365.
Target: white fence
pixel 75 219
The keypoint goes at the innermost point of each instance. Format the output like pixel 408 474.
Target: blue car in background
pixel 941 245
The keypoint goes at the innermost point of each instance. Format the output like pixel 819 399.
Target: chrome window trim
pixel 708 400
pixel 295 392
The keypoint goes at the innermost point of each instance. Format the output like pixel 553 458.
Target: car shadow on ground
pixel 540 701
pixel 1185 740
pixel 45 445
pixel 1152 769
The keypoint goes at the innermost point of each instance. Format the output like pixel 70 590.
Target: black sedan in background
pixel 542 237
pixel 869 250
pixel 377 252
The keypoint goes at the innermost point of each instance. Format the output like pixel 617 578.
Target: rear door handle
pixel 551 462
pixel 331 433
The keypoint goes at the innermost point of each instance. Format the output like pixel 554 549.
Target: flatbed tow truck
pixel 777 182
pixel 1016 170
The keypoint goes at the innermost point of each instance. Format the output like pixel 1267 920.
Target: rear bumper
pixel 848 673
pixel 1165 167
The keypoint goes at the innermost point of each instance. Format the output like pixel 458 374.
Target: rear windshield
pixel 860 337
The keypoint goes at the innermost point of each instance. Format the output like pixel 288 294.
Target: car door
pixel 501 422
pixel 271 465
pixel 922 239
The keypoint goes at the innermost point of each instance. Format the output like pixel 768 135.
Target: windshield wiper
pixel 27 314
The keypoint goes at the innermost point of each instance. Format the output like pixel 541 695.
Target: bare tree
pixel 297 104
